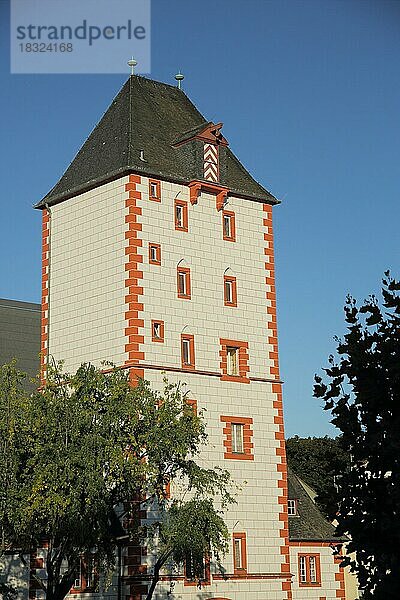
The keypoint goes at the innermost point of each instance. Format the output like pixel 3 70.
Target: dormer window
pixel 292 508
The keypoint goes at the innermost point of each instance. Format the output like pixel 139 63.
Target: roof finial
pixel 132 63
pixel 179 77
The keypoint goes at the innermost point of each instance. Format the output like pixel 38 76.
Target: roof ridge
pixel 143 78
pixel 130 121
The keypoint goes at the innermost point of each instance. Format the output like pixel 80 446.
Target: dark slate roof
pixel 150 116
pixel 20 334
pixel 310 524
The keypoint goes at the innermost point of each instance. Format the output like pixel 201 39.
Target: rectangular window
pixel 292 508
pixel 187 351
pixel 237 438
pixel 157 331
pixel 303 569
pixel 183 283
pixel 228 226
pixel 197 570
pixel 232 360
pixel 239 553
pixel 154 254
pixel 78 576
pixel 192 404
pixel 86 574
pixel 313 570
pixel 90 572
pixel 230 293
pixel 181 215
pixel 309 570
pixel 155 190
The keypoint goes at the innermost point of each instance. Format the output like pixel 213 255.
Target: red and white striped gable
pixel 210 165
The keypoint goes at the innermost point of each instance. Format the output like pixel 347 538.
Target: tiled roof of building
pixel 309 524
pixel 20 334
pixel 137 134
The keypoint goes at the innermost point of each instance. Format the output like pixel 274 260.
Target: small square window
pixel 181 215
pixel 155 190
pixel 157 331
pixel 230 291
pixel 228 226
pixel 237 438
pixel 183 283
pixel 154 254
pixel 187 351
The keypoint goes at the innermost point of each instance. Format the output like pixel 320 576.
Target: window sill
pixel 237 456
pixel 236 378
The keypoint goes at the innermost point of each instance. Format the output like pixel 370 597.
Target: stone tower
pixel 158 256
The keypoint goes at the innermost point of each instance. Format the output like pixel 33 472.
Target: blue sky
pixel 309 93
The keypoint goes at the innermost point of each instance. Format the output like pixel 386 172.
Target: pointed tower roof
pixel 138 133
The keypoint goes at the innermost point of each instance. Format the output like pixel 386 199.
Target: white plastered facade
pixel 87 323
pixel 329 585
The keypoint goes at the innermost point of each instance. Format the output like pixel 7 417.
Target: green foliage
pixel 320 462
pixel 7 592
pixel 362 391
pixel 83 445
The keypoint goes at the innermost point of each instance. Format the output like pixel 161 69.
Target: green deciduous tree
pixel 86 443
pixel 320 462
pixel 362 390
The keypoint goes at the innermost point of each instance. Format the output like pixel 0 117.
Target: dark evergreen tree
pixel 362 391
pixel 319 462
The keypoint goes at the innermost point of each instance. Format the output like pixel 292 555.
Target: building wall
pixel 100 277
pixel 331 576
pixel 351 581
pixel 257 510
pixel 208 256
pixel 87 277
pixel 20 334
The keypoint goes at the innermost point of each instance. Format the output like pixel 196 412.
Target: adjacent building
pixel 315 549
pixel 20 324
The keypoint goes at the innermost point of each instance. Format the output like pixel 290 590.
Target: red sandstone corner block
pixel 134 308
